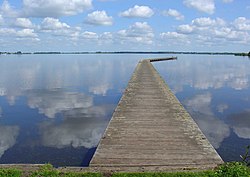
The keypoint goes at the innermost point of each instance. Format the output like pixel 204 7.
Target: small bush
pixel 246 157
pixel 232 169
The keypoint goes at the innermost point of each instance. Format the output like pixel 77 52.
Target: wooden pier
pixel 162 59
pixel 151 131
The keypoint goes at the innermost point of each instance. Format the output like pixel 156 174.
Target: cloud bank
pixel 56 8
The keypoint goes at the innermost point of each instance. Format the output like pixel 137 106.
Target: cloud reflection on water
pixel 206 72
pixel 222 107
pixel 80 127
pixel 72 132
pixel 8 135
pixel 51 102
pixel 94 73
pixel 241 124
pixel 100 89
pixel 214 129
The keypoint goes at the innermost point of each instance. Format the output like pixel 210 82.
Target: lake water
pixel 55 108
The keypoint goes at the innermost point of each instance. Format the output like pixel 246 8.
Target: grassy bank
pixel 233 169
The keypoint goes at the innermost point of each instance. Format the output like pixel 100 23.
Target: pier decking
pixel 151 131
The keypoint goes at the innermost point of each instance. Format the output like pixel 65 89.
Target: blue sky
pixel 125 25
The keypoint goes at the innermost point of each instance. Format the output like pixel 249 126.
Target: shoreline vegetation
pixel 128 52
pixel 230 169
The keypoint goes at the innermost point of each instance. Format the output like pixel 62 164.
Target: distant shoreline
pixel 127 52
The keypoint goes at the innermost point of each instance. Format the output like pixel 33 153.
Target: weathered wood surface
pixel 151 131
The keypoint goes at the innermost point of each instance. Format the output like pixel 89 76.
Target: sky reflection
pixel 63 102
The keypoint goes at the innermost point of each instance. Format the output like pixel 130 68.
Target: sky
pixel 125 25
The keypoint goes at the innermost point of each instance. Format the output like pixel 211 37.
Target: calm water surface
pixel 55 108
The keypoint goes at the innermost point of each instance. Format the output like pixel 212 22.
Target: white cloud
pixel 207 22
pixel 185 29
pixel 206 6
pixel 8 137
pixel 59 29
pixel 23 23
pixel 55 8
pixel 106 36
pixel 99 18
pixel 242 23
pixel 101 39
pixel 139 32
pixel 89 35
pixel 138 11
pixel 202 22
pixel 26 33
pixel 7 11
pixel 222 32
pixel 53 24
pixel 174 38
pixel 172 35
pixel 174 13
pixel 208 31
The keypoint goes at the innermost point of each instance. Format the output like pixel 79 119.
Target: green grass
pixel 174 174
pixel 10 172
pixel 232 169
pixel 48 171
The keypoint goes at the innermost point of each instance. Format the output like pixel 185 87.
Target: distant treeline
pixel 130 52
pixel 243 54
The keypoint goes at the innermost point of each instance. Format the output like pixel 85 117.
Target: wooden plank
pixel 151 130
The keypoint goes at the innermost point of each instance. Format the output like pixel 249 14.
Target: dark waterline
pixel 54 108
